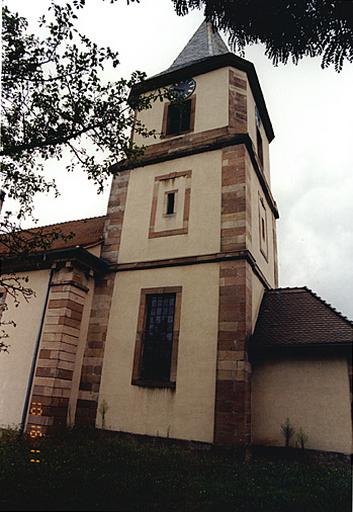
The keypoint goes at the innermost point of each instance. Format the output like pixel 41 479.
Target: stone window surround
pixel 170 232
pixel 141 322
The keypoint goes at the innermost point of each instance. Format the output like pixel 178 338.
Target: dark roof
pixel 206 42
pixel 86 233
pixel 297 317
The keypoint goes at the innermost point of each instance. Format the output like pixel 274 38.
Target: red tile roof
pixel 298 317
pixel 86 232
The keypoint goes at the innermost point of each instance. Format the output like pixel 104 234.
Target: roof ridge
pixel 287 289
pixel 64 222
pixel 328 305
pixel 301 289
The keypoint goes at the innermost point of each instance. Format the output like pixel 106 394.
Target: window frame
pixel 164 133
pixel 137 379
pixel 260 147
pixel 263 219
pixel 173 192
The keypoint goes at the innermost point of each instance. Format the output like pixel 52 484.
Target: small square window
pixel 263 229
pixel 170 209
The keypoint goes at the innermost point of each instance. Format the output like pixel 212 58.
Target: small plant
pixel 287 431
pixel 102 411
pixel 302 438
pixel 69 420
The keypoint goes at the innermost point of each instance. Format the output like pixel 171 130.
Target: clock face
pixel 182 90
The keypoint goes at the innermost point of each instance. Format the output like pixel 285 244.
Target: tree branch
pixel 32 146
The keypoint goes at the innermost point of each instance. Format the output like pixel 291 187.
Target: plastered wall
pixel 211 107
pixel 187 412
pixel 95 250
pixel 205 210
pixel 312 392
pixel 265 262
pixel 15 366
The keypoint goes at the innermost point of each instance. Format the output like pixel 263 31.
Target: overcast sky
pixel 311 156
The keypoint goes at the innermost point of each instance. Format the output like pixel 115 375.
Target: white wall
pixel 15 366
pixel 187 412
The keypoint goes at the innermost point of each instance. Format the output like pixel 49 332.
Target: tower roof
pixel 205 52
pixel 206 42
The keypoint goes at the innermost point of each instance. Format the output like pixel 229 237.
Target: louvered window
pixel 179 117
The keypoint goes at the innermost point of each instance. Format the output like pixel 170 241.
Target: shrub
pixel 302 438
pixel 287 431
pixel 103 410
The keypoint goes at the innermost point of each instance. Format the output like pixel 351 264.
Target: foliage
pixel 287 431
pixel 91 471
pixel 292 28
pixel 103 408
pixel 302 438
pixel 15 287
pixel 56 102
pixel 19 244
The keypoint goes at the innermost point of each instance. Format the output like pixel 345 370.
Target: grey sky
pixel 311 157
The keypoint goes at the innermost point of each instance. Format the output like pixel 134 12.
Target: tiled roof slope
pixel 298 317
pixel 87 232
pixel 204 43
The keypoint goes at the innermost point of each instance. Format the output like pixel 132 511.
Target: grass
pixel 93 471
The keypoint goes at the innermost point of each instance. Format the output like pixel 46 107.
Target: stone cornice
pixel 43 260
pixel 193 260
pixel 88 261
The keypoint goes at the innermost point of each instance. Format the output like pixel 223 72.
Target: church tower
pixel 190 238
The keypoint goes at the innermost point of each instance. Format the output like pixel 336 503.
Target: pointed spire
pixel 204 43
